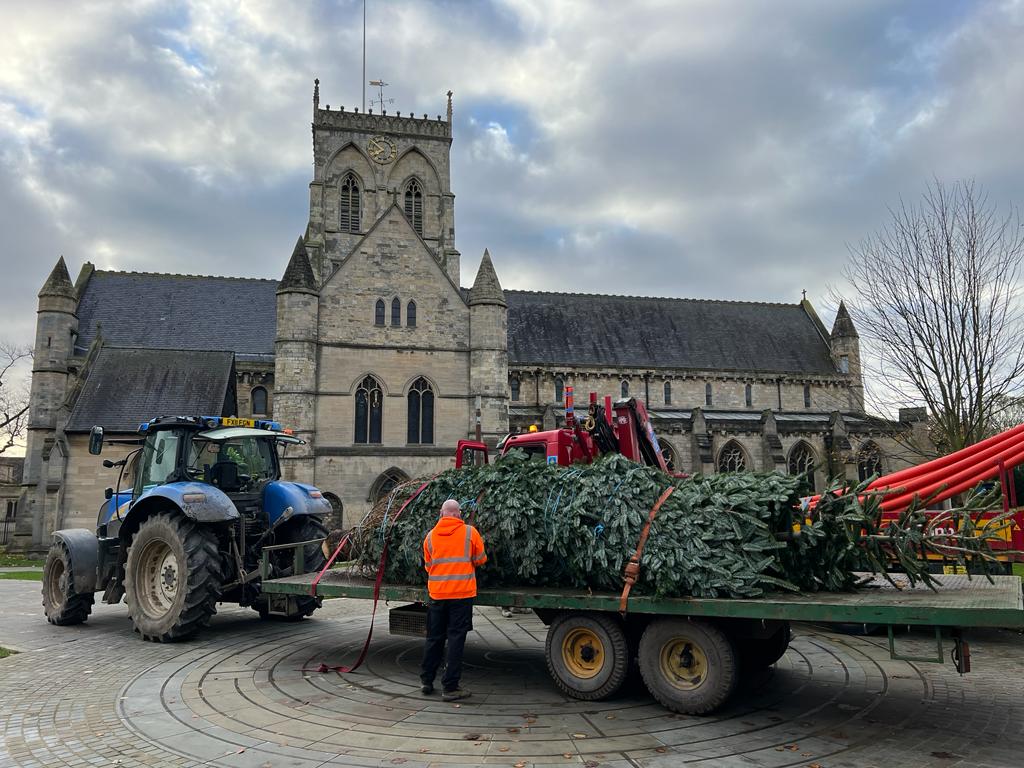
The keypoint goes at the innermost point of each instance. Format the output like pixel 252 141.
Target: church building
pixel 373 353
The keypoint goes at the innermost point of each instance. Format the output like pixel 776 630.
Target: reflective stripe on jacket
pixel 451 553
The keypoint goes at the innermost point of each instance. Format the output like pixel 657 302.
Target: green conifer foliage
pixel 725 535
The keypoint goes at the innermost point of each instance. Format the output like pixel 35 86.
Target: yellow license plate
pixel 238 422
pixel 954 570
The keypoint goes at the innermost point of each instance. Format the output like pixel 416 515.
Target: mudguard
pixel 302 498
pixel 84 550
pixel 198 501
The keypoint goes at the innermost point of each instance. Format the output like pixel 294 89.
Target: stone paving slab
pixel 242 696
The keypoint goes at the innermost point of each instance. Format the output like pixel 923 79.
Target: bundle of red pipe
pixel 947 476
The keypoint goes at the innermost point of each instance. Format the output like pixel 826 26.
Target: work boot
pixel 427 689
pixel 458 693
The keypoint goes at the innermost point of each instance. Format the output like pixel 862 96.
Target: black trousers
pixel 447 620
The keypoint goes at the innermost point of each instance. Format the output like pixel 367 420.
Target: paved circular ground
pixel 244 695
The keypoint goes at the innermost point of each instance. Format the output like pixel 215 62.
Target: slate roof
pixel 140 309
pixel 640 332
pixel 128 386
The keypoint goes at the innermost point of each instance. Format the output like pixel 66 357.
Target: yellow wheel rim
pixel 583 653
pixel 684 664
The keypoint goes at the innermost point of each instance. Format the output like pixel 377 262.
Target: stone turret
pixel 488 341
pixel 295 361
pixel 845 344
pixel 56 331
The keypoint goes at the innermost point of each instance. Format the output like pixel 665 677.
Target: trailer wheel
pixel 61 604
pixel 282 564
pixel 172 578
pixel 755 655
pixel 587 655
pixel 688 666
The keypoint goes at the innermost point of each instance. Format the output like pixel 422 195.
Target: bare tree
pixel 936 298
pixel 14 399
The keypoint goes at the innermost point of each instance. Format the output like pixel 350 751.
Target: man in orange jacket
pixel 452 551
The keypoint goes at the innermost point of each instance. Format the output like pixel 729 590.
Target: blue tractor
pixel 206 499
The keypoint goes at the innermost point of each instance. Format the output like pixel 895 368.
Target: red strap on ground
pixel 632 571
pixel 342 669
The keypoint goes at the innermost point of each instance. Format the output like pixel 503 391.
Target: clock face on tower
pixel 381 149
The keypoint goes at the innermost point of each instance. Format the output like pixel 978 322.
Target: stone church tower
pixel 380 356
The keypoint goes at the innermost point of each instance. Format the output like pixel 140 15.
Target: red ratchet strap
pixel 632 571
pixel 341 669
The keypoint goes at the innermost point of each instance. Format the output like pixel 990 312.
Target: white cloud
pixel 719 148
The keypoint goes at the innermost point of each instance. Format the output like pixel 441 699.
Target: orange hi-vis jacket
pixel 451 553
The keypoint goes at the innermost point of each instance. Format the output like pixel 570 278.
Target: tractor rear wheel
pixel 306 528
pixel 61 604
pixel 172 578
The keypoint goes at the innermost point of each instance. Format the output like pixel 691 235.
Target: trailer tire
pixel 688 666
pixel 587 655
pixel 172 578
pixel 755 655
pixel 300 606
pixel 62 606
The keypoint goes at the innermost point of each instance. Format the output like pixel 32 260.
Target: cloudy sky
pixel 702 148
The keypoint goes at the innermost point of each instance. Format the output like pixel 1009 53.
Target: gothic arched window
pixel 378 312
pixel 410 314
pixel 624 389
pixel 421 412
pixel 348 204
pixel 668 453
pixel 414 205
pixel 869 461
pixel 396 313
pixel 707 394
pixel 513 386
pixel 802 460
pixel 732 458
pixel 259 401
pixel 748 395
pixel 369 410
pixel 559 389
pixel 668 393
pixel 386 483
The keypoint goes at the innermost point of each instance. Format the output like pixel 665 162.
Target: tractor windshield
pixel 159 459
pixel 237 464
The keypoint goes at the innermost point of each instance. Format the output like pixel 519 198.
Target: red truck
pixel 623 427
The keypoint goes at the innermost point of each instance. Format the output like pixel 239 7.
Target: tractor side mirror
pixel 108 493
pixel 95 440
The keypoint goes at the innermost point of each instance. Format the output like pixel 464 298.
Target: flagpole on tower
pixel 364 55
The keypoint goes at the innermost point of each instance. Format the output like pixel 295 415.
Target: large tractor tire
pixel 61 604
pixel 587 655
pixel 172 578
pixel 688 666
pixel 298 607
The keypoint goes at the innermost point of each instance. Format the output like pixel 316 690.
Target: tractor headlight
pixel 315 495
pixel 193 498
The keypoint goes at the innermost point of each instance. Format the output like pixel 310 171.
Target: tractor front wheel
pixel 61 604
pixel 172 578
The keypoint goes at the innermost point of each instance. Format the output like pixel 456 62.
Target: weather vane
pixel 380 85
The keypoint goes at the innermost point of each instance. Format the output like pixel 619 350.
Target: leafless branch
pixel 936 300
pixel 14 396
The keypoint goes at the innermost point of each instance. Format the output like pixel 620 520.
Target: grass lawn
pixel 23 575
pixel 18 561
pixel 4 653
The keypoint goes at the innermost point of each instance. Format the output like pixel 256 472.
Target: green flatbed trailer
pixel 693 651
